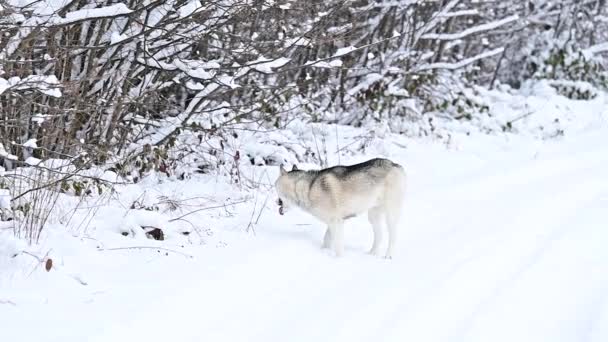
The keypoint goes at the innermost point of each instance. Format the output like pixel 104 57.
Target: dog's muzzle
pixel 280 203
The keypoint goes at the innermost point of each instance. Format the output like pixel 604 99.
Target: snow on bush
pixel 189 89
pixel 5 198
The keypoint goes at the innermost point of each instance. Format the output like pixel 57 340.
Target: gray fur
pixel 337 193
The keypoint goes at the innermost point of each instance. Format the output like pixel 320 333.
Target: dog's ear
pixel 283 171
pixel 294 168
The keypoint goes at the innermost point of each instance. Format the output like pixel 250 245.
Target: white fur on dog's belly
pixel 359 203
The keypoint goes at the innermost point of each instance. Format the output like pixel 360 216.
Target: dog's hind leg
pixel 375 216
pixel 393 215
pixel 393 203
pixel 392 219
pixel 327 239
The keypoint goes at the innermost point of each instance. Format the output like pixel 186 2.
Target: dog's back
pixel 346 191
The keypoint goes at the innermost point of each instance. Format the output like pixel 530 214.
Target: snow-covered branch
pixel 460 64
pixel 48 85
pixel 110 11
pixel 596 49
pixel 471 30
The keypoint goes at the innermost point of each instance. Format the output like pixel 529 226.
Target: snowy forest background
pixel 92 87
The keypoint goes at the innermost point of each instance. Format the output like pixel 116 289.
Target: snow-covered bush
pixel 461 103
pixel 5 197
pixel 5 204
pixel 179 87
pixel 561 40
pixel 563 60
pixel 32 201
pixel 576 90
pixel 108 79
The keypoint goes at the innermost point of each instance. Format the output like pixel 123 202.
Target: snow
pixel 116 37
pixel 462 63
pixel 265 65
pixel 472 30
pixel 40 7
pixel 595 49
pixel 460 13
pixel 227 81
pixel 63 165
pixel 93 13
pixel 31 143
pixel 369 79
pixel 298 41
pixel 3 152
pixel 190 8
pixel 345 50
pixel 336 63
pixel 39 118
pixel 5 196
pixel 32 161
pixel 4 85
pixel 48 85
pixel 155 63
pixel 503 239
pixel 197 69
pixel 199 73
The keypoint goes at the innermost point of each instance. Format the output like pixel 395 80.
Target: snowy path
pixel 494 247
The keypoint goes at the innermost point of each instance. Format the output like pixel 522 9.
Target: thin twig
pixel 261 210
pixel 6 301
pixel 40 260
pixel 250 224
pixel 207 208
pixel 146 247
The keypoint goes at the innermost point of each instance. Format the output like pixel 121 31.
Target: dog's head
pixel 285 187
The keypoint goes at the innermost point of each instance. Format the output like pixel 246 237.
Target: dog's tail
pixel 397 185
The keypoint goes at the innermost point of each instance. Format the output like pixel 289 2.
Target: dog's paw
pixel 374 252
pixel 328 252
pixel 338 252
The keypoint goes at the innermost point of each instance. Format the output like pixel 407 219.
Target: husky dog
pixel 338 193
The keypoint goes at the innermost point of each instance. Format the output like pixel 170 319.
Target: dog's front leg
pixel 327 238
pixel 337 236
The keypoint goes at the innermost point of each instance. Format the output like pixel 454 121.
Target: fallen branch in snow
pixel 3 301
pixel 525 115
pixel 44 260
pixel 358 139
pixel 147 247
pixel 79 279
pixel 206 208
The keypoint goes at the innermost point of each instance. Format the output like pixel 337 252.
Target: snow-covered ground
pixel 503 239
